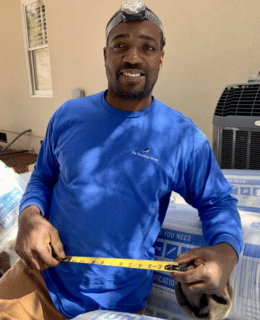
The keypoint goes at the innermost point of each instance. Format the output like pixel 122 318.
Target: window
pixel 36 47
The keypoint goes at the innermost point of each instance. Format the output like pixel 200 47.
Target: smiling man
pixel 101 187
pixel 133 58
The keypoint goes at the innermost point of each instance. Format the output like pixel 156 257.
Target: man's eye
pixel 149 48
pixel 119 46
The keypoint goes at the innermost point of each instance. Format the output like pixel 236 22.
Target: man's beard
pixel 130 92
pixel 133 94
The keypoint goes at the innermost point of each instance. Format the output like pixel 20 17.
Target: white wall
pixel 210 44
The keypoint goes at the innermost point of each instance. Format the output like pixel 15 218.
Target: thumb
pixel 57 247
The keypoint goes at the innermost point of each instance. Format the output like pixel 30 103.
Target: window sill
pixel 42 96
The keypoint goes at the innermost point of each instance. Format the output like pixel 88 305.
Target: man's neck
pixel 129 105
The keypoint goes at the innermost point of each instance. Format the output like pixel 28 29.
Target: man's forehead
pixel 143 29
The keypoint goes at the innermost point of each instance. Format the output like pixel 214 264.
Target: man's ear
pixel 161 59
pixel 105 53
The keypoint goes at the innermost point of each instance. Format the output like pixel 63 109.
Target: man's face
pixel 133 58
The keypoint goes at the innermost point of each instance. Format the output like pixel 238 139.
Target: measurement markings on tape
pixel 127 263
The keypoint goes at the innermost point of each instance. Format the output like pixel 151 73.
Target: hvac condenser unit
pixel 236 127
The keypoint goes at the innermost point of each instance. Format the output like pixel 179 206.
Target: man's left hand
pixel 212 268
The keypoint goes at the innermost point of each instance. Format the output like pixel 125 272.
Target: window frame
pixel 30 62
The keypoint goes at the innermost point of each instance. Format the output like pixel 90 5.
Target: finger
pixel 57 247
pixel 197 280
pixel 199 287
pixel 38 259
pixel 191 275
pixel 26 255
pixel 31 262
pixel 35 264
pixel 194 287
pixel 47 259
pixel 43 265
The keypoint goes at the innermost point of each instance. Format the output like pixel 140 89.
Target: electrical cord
pixel 15 140
pixel 14 152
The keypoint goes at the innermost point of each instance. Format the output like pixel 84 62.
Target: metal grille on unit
pixel 236 127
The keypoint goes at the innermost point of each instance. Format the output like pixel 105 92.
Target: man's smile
pixel 133 74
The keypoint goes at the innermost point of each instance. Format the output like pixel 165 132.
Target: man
pixel 102 183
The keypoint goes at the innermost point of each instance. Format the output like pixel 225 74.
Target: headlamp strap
pixel 134 10
pixel 133 16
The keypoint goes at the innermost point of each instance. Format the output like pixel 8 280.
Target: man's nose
pixel 132 55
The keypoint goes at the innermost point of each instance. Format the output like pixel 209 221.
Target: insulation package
pixel 182 231
pixel 110 315
pixel 246 188
pixel 11 190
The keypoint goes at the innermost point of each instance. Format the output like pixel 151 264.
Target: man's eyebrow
pixel 120 35
pixel 126 35
pixel 146 37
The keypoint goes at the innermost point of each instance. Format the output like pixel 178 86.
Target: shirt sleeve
pixel 46 170
pixel 204 187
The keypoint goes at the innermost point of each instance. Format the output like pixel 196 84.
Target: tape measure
pixel 127 263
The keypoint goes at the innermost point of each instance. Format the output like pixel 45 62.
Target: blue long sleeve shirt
pixel 103 178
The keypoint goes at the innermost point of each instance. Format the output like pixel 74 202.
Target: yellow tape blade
pixel 127 263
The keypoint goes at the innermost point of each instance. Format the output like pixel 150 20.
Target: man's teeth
pixel 132 75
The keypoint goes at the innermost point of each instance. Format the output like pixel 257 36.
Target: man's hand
pixel 38 242
pixel 213 267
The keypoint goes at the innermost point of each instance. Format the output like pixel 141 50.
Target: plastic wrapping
pixel 11 190
pixel 109 315
pixel 246 188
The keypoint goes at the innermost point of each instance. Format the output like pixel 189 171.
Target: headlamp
pixel 134 10
pixel 133 7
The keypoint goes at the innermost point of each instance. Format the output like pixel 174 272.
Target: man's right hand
pixel 38 242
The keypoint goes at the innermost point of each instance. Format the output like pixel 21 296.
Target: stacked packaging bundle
pixel 11 189
pixel 182 231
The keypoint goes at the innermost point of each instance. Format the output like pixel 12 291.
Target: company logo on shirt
pixel 144 153
pixel 147 150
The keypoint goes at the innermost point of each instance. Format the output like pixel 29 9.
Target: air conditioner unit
pixel 236 127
